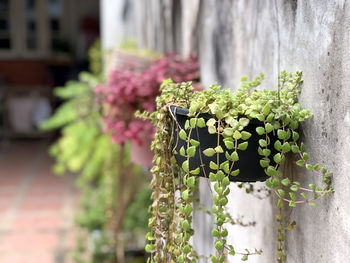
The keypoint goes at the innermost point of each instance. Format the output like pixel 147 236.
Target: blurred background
pixel 43 44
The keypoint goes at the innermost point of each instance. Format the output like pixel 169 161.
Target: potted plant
pixel 232 126
pixel 126 92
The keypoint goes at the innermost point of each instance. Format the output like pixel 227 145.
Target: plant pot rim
pixel 178 110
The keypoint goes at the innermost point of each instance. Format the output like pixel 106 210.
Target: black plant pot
pixel 248 163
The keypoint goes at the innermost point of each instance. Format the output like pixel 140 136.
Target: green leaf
pixel 185 195
pixel 185 166
pixel 148 248
pixel 302 146
pixel 212 177
pixel 182 151
pixel 303 195
pixel 214 259
pixel 219 176
pixel 188 209
pixel 268 127
pixel 219 190
pixel 229 145
pixel 295 136
pixel 275 182
pixel 193 123
pixel 292 203
pixel 294 188
pixel 312 204
pixel 223 201
pixel 264 163
pixel 260 117
pixel 305 156
pixel 300 163
pixel 224 233
pixel 285 181
pixel 195 171
pixel 191 181
pixel 211 122
pixel 294 124
pixel 213 165
pixel 268 182
pixel 186 249
pixel 278 145
pixel 285 147
pixel 235 172
pixel 211 129
pixel 281 134
pixel 218 149
pixel 218 245
pixel 232 250
pixel 262 143
pixel 260 130
pixel 183 135
pixel 281 192
pixel 295 149
pixel 292 196
pixel 209 152
pixel 234 156
pixel 266 109
pixel 245 135
pixel 277 158
pixel 194 142
pixel 317 167
pixel 215 232
pixel 271 171
pixel 225 166
pixel 228 131
pixel 225 181
pixel 191 151
pixel 279 203
pixel 237 135
pixel 243 146
pixel 185 225
pixel 187 124
pixel 309 167
pixel 243 121
pixel 201 123
pixel 244 258
pixel 266 152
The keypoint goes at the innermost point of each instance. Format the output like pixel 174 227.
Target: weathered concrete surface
pixel 237 38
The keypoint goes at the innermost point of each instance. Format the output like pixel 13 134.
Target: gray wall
pixel 238 38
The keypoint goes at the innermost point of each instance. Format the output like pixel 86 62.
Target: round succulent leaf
pixel 260 130
pixel 201 123
pixel 245 135
pixel 209 152
pixel 243 146
pixel 183 135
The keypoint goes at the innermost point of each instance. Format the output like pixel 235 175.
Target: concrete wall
pixel 237 38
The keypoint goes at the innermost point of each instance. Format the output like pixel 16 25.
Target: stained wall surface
pixel 243 38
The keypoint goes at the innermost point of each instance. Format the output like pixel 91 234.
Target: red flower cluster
pixel 126 92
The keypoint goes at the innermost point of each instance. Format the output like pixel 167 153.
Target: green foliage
pixel 279 114
pixel 83 148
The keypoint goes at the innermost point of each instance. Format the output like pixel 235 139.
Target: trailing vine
pixel 228 117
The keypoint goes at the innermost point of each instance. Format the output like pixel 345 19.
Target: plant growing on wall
pixel 243 136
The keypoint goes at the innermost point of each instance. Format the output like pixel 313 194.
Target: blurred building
pixel 43 43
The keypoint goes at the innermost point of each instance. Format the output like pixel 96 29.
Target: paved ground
pixel 36 207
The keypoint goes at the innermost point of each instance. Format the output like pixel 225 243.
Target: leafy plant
pixel 107 179
pixel 126 92
pixel 278 115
